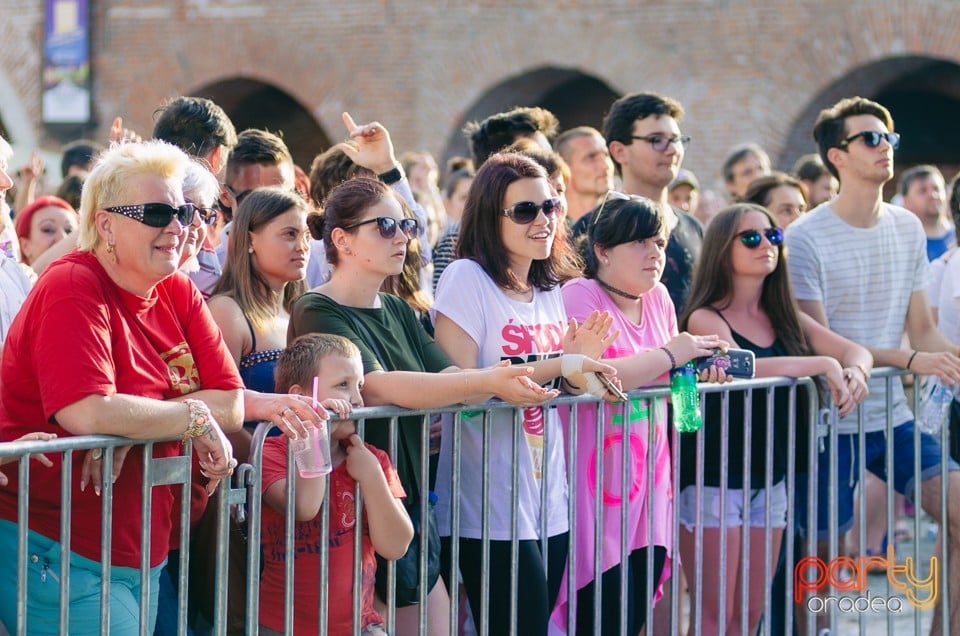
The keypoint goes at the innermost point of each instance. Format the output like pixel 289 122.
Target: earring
pixel 250 249
pixel 111 253
pixel 606 261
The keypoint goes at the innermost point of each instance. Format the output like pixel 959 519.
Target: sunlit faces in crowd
pixel 525 237
pixel 280 247
pixel 684 192
pixel 144 253
pixel 42 224
pixel 782 195
pixel 756 246
pixel 925 196
pixel 630 242
pixel 591 170
pixel 857 154
pixel 655 153
pixel 742 166
pixel 379 237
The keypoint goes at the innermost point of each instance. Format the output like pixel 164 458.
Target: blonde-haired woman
pixel 112 340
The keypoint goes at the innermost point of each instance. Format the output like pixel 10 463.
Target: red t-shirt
pixel 306 589
pixel 78 334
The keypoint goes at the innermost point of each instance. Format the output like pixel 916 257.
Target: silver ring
pixel 232 463
pixel 97 454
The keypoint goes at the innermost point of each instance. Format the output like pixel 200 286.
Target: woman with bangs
pixel 741 292
pixel 500 301
pixel 624 254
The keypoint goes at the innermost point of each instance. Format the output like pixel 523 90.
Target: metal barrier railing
pixel 623 440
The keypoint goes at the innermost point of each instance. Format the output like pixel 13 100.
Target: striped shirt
pixel 864 277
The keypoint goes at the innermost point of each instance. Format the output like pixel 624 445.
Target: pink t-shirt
pixel 658 324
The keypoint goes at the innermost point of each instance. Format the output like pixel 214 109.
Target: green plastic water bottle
pixel 686 399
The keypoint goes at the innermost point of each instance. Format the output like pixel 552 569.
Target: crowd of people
pixel 203 284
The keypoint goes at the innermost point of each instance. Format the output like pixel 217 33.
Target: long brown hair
pixel 240 279
pixel 480 238
pixel 713 280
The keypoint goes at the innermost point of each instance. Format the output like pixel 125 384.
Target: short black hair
pixel 255 146
pixel 496 132
pixel 80 153
pixel 195 125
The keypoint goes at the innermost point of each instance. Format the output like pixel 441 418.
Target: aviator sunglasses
pixel 752 238
pixel 526 211
pixel 872 139
pixel 387 226
pixel 157 214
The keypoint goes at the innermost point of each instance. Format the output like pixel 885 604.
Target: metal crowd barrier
pixel 243 500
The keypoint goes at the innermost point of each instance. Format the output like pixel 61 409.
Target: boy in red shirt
pixel 335 361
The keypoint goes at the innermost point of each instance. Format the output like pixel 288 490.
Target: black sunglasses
pixel 388 226
pixel 751 238
pixel 526 211
pixel 207 215
pixel 872 139
pixel 157 214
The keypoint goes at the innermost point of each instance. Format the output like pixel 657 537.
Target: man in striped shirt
pixel 858 265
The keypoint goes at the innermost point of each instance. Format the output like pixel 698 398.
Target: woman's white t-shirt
pixel 503 329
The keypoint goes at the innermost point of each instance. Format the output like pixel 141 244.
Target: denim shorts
pixel 848 469
pixel 734 514
pixel 43 589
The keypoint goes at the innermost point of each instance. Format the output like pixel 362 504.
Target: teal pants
pixel 43 589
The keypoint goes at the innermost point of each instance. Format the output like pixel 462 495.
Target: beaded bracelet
pixel 673 361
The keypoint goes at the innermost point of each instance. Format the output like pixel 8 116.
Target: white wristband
pixel 571 364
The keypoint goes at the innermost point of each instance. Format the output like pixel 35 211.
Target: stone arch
pixel 921 92
pixel 576 98
pixel 252 103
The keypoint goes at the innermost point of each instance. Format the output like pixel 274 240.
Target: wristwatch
pixel 200 418
pixel 391 176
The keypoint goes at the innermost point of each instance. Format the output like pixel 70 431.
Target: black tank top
pixel 759 435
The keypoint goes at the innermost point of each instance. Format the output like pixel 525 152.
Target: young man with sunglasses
pixel 643 135
pixel 858 266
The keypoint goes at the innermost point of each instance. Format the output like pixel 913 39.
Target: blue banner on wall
pixel 66 62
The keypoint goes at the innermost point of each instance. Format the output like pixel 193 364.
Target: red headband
pixel 24 216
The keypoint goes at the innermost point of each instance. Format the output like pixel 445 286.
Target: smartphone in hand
pixel 738 363
pixel 611 387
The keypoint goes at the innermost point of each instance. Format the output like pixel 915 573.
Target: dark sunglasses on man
pixel 872 139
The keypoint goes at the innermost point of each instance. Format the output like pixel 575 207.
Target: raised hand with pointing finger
pixel 369 145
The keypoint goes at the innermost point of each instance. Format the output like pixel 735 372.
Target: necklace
pixel 616 291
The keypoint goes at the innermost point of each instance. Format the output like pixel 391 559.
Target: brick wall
pixel 743 70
